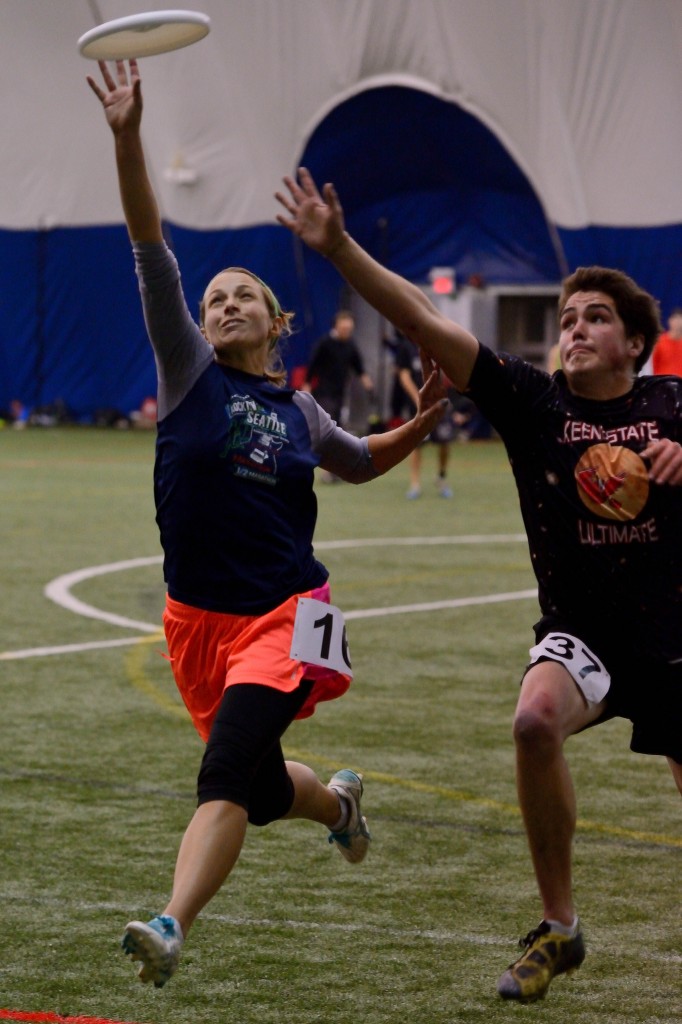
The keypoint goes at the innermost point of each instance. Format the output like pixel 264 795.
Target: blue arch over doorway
pixel 437 183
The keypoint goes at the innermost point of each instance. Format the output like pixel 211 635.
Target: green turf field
pixel 98 763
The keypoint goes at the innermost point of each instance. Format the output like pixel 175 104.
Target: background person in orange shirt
pixel 667 354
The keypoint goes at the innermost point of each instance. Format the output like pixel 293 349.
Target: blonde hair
pixel 275 370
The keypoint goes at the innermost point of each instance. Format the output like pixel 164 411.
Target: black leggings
pixel 243 761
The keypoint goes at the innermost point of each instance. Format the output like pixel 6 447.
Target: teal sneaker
pixel 156 945
pixel 353 842
pixel 547 953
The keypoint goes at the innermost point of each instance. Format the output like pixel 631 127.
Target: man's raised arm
pixel 317 219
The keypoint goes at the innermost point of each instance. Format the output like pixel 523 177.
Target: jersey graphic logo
pixel 612 482
pixel 255 437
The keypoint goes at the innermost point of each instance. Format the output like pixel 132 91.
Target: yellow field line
pixel 461 796
pixel 135 666
pixel 135 663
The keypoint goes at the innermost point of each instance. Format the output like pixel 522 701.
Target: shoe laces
pixel 167 926
pixel 534 935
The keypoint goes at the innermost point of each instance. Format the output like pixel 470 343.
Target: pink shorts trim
pixel 210 651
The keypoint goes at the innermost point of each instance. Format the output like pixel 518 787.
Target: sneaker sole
pixel 533 997
pixel 353 852
pixel 352 846
pixel 141 944
pixel 513 990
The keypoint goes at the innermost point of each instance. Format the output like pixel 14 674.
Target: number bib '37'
pixel 588 671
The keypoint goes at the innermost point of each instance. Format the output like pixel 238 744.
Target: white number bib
pixel 320 636
pixel 588 671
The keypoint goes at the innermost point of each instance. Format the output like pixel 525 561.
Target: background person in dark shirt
pixel 408 368
pixel 334 357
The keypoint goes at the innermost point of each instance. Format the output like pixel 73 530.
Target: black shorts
pixel 243 761
pixel 643 690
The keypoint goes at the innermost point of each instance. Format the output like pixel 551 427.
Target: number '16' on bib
pixel 319 636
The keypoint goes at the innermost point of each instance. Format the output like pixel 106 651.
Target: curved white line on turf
pixel 59 591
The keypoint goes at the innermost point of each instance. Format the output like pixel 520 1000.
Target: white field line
pixel 444 936
pixel 59 591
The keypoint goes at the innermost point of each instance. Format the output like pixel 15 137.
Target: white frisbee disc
pixel 144 35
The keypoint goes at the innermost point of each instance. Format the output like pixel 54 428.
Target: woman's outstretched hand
pixel 433 397
pixel 122 97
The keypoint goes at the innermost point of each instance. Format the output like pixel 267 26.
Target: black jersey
pixel 605 542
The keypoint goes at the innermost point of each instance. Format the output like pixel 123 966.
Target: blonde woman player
pixel 235 460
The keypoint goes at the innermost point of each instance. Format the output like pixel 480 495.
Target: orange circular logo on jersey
pixel 612 481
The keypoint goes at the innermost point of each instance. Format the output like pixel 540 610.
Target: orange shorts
pixel 210 651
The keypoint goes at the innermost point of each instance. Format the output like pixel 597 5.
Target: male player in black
pixel 597 457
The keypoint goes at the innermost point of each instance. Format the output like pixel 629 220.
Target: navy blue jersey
pixel 605 542
pixel 235 460
pixel 233 484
